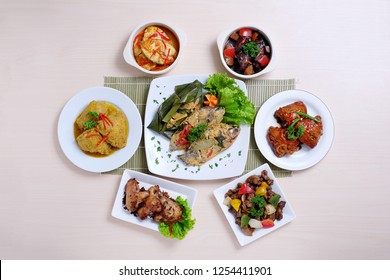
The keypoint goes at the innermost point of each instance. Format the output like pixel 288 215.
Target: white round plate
pixel 71 111
pixel 305 157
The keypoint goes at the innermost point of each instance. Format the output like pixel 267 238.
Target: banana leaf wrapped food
pixel 185 99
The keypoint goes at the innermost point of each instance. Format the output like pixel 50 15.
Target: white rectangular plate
pixel 173 189
pixel 288 213
pixel 161 161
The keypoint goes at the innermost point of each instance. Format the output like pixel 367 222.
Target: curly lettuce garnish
pixel 179 229
pixel 238 108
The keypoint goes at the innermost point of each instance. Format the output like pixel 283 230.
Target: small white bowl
pixel 128 51
pixel 223 38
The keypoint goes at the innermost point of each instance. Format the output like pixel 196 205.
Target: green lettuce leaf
pixel 238 108
pixel 180 228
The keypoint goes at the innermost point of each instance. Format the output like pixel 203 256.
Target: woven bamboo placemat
pixel 258 91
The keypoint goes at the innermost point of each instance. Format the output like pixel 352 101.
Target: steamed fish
pixel 202 116
pixel 205 115
pixel 216 139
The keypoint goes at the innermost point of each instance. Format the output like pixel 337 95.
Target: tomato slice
pixel 263 60
pixel 245 32
pixel 229 52
pixel 182 140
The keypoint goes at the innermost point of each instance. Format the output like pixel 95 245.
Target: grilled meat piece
pixel 152 204
pixel 134 196
pixel 312 132
pixel 287 114
pixel 279 142
pixel 171 211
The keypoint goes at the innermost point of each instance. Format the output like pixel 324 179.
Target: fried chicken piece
pixel 312 133
pixel 287 114
pixel 171 210
pixel 134 196
pixel 279 142
pixel 152 204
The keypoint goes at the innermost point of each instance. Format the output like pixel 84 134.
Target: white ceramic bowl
pixel 128 51
pixel 223 38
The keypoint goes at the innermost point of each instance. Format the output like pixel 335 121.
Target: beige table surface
pixel 50 50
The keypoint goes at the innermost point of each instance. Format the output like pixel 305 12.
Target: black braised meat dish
pixel 296 128
pixel 247 51
pixel 254 204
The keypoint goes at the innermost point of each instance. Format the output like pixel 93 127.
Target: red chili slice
pixel 182 141
pixel 102 140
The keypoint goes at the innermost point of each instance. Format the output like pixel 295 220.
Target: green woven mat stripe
pixel 258 90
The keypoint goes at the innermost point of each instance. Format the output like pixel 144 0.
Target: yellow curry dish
pixel 155 48
pixel 101 129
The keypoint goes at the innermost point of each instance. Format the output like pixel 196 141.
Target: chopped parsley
pixel 257 209
pixel 90 124
pixel 251 49
pixel 196 132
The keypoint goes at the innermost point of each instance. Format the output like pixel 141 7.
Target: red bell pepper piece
pixel 245 188
pixel 267 223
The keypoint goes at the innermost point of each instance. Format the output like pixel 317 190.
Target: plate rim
pixel 128 217
pixel 86 96
pixel 188 175
pixel 240 236
pixel 270 156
